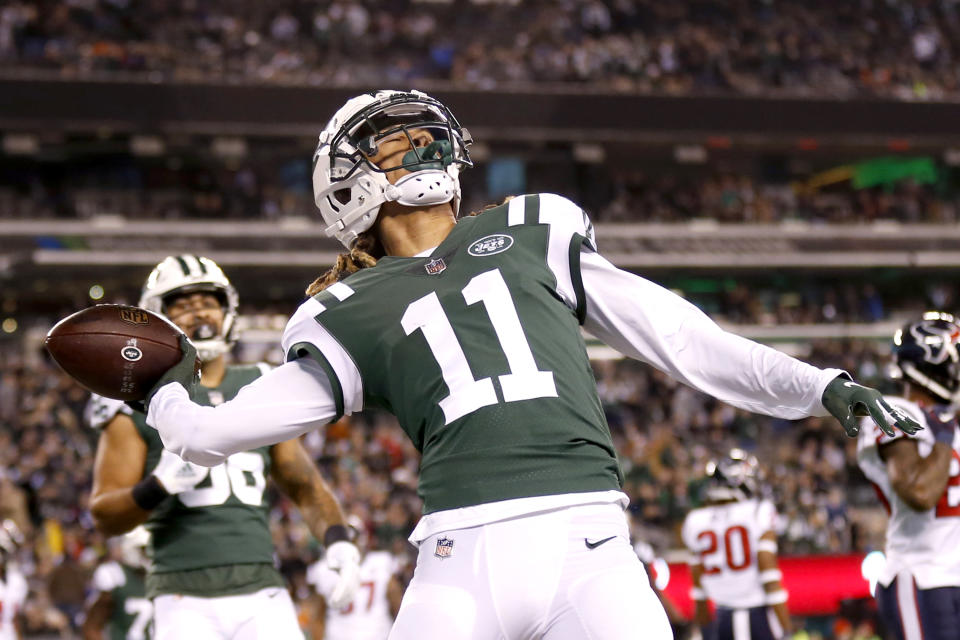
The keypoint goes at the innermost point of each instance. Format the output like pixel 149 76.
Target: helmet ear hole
pixel 342 196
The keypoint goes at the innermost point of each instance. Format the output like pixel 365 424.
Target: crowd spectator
pixel 273 185
pixel 741 198
pixel 901 50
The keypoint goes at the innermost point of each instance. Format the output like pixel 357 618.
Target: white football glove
pixel 344 558
pixel 176 474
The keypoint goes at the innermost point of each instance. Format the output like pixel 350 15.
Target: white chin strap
pixel 422 188
pixel 211 349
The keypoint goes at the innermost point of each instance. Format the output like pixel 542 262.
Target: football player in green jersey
pixel 212 573
pixel 469 332
pixel 120 601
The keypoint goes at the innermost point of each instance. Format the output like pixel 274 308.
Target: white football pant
pixel 533 578
pixel 267 614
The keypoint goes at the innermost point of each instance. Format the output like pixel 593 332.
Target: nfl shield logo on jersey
pixel 444 548
pixel 435 266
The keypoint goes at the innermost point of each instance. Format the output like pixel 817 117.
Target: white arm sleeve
pixel 645 321
pixel 282 404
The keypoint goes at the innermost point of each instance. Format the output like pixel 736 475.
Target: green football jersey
pixel 199 537
pixel 131 615
pixel 477 350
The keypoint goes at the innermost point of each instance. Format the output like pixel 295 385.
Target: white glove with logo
pixel 344 558
pixel 176 474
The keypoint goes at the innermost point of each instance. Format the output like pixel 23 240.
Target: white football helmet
pixel 134 548
pixel 182 274
pixel 349 189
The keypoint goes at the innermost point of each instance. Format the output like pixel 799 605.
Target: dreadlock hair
pixel 364 253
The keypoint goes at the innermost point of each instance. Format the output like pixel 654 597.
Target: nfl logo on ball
pixel 435 266
pixel 444 548
pixel 134 316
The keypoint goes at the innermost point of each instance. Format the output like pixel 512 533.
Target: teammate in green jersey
pixel 212 573
pixel 120 603
pixel 469 332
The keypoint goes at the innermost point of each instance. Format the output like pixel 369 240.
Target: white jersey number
pixel 241 474
pixel 467 394
pixel 142 612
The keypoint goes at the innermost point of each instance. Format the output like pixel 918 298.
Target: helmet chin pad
pixel 423 188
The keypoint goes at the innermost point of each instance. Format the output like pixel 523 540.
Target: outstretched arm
pixel 646 321
pixel 284 403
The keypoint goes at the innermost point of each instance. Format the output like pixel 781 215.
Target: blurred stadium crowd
pixel 264 190
pixel 894 49
pixel 664 434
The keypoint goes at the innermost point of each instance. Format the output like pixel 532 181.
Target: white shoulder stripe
pixel 340 291
pixel 312 307
pixel 565 219
pixel 516 209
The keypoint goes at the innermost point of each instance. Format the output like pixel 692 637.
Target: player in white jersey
pixel 733 546
pixel 13 586
pixel 375 605
pixel 918 479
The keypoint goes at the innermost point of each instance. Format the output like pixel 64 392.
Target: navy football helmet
pixel 733 477
pixel 925 353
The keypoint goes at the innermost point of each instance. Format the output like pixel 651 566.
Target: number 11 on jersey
pixel 467 394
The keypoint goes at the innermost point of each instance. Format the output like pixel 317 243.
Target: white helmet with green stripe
pixel 183 274
pixel 349 189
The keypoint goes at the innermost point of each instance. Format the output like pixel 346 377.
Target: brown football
pixel 115 350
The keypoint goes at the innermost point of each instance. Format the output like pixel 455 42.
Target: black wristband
pixel 336 533
pixel 148 493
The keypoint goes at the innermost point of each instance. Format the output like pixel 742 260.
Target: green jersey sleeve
pixel 304 336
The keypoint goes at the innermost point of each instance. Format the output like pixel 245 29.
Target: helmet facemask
pixel 349 189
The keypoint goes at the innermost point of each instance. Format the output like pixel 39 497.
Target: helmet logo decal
pixel 939 344
pixel 490 245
